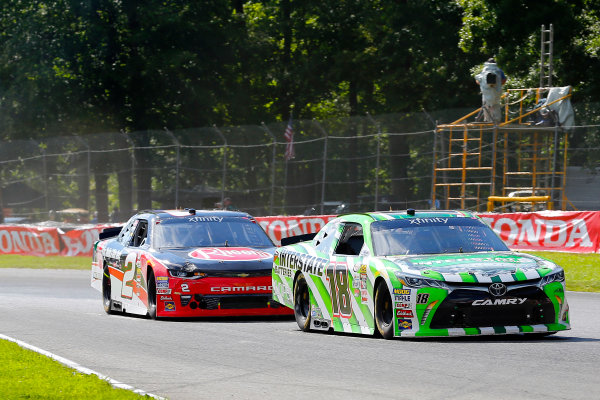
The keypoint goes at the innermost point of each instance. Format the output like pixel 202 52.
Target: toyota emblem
pixel 497 289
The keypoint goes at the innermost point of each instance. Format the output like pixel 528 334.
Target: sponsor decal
pixel 404 313
pixel 169 306
pixel 282 271
pixel 205 219
pixel 356 283
pixel 363 269
pixel 403 305
pixel 162 284
pixel 299 261
pixel 499 302
pixel 364 296
pixel 162 278
pixel 316 312
pixel 419 221
pixel 402 298
pixel 229 254
pixel 404 324
pixel 402 291
pixel 166 298
pixel 422 298
pixel 239 289
pixel 163 291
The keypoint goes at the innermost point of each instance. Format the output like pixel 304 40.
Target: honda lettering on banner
pixel 282 227
pixel 31 241
pixel 572 231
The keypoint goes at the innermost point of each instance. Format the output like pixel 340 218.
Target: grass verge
pixel 582 271
pixel 25 374
pixel 48 262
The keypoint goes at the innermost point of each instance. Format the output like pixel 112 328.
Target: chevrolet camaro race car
pixel 429 273
pixel 186 264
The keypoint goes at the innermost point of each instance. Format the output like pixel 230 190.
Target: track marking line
pixel 80 368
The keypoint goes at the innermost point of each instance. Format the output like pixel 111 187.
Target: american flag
pixel 289 138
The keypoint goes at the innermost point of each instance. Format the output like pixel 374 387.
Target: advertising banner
pixel 28 240
pixel 568 231
pixel 281 226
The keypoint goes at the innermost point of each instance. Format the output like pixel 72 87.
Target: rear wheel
pixel 151 294
pixel 302 303
pixel 384 311
pixel 106 292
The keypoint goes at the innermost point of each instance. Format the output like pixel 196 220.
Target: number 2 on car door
pixel 128 275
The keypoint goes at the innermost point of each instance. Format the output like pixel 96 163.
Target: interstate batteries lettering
pixel 306 263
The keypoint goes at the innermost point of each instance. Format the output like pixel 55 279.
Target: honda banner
pixel 569 231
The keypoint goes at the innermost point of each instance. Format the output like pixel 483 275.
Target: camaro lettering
pixel 500 302
pixel 227 289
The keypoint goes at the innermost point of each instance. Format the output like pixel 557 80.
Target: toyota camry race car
pixel 186 264
pixel 430 273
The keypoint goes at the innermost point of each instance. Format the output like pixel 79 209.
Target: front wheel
pixel 384 312
pixel 302 303
pixel 106 292
pixel 151 294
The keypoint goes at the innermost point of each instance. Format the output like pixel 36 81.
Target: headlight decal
pixel 428 311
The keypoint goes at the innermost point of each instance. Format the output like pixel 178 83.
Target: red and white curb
pixel 80 368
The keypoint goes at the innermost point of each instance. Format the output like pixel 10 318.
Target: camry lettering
pixel 500 302
pixel 228 289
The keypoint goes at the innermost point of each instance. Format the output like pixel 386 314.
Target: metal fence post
pixel 132 144
pixel 177 144
pixel 89 164
pixel 224 172
pixel 272 196
pixel 324 175
pixel 377 161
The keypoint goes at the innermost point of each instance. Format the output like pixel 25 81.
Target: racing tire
pixel 151 294
pixel 106 292
pixel 302 303
pixel 384 311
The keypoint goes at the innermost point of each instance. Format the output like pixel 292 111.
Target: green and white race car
pixel 425 273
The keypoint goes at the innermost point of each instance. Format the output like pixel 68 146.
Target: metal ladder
pixel 546 53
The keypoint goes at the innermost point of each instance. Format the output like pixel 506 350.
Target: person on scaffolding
pixel 490 81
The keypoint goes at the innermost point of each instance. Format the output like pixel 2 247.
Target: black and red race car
pixel 186 263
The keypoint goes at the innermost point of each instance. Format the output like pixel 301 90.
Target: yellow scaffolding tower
pixel 475 160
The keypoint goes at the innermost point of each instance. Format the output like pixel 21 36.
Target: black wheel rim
pixel 384 307
pixel 302 303
pixel 106 289
pixel 151 294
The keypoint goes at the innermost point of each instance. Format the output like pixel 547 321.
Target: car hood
pixel 217 258
pixel 476 267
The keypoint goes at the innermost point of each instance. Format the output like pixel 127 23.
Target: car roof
pixel 403 214
pixel 188 212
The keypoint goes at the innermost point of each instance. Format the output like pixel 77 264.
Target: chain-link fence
pixel 360 163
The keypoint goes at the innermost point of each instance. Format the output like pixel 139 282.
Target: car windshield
pixel 434 235
pixel 210 232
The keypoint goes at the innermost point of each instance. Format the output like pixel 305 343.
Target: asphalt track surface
pixel 58 311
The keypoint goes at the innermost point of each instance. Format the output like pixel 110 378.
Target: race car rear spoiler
pixel 109 232
pixel 297 239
